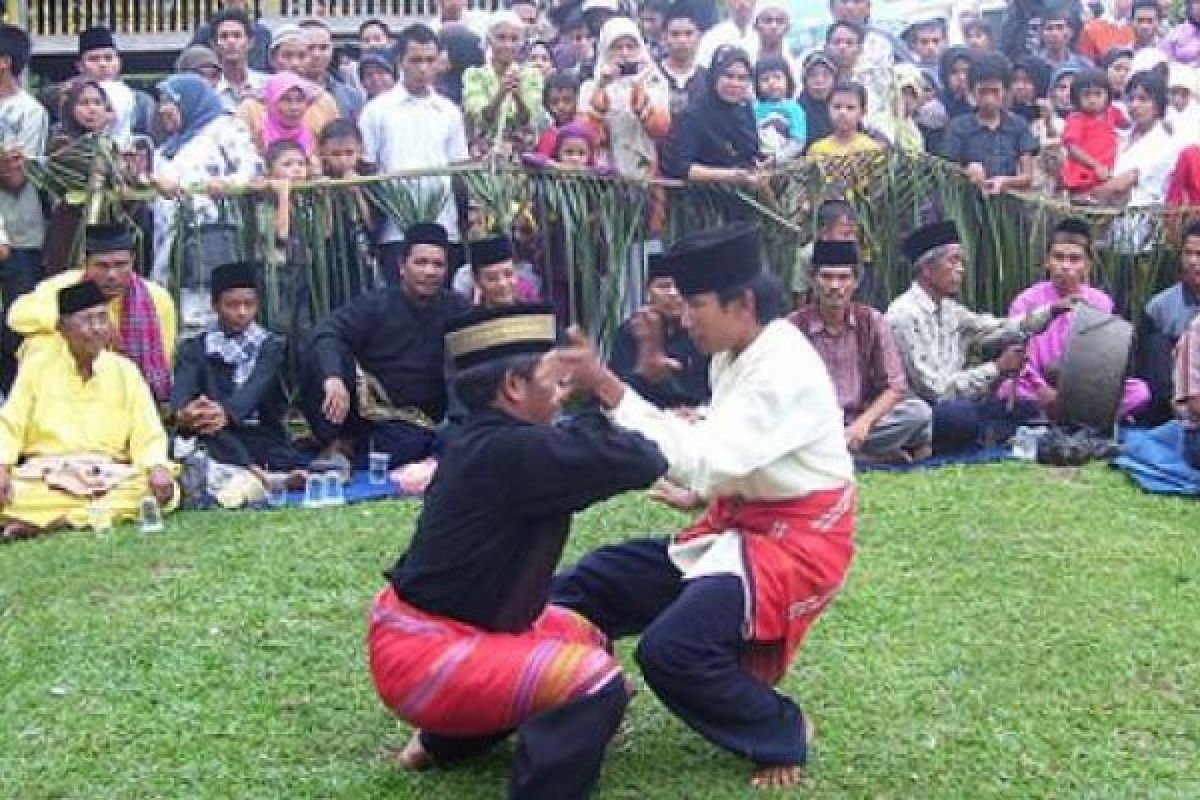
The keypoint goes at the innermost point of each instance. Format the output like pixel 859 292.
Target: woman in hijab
pixel 463 50
pixel 955 94
pixel 898 123
pixel 820 74
pixel 287 97
pixel 716 140
pixel 207 148
pixel 628 101
pixel 1118 63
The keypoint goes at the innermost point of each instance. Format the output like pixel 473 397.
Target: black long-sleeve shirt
pixel 260 398
pixel 395 339
pixel 499 509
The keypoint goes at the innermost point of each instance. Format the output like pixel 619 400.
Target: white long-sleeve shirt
pixel 774 429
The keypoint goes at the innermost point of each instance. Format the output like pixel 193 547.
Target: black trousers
pixel 254 446
pixel 559 752
pixel 18 275
pixel 691 647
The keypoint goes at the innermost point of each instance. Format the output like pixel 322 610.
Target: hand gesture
pixel 1011 360
pixel 675 496
pixel 162 485
pixel 336 404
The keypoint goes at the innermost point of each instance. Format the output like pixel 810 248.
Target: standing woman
pixel 820 75
pixel 627 102
pixel 716 140
pixel 207 149
pixel 501 99
pixel 286 97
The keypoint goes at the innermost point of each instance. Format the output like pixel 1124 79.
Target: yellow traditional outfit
pixel 53 411
pixel 35 315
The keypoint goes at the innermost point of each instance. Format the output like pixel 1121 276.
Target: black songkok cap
pixel 658 265
pixel 1074 226
pixel 107 238
pixel 426 233
pixel 715 260
pixel 930 237
pixel 834 254
pixel 491 251
pixel 238 275
pixel 77 297
pixel 485 334
pixel 95 39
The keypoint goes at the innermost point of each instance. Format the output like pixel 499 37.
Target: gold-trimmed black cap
pixel 484 334
pixel 77 297
pixel 714 260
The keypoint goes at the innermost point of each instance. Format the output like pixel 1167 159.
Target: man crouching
pixel 462 644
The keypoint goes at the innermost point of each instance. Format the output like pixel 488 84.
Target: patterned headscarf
pixel 198 105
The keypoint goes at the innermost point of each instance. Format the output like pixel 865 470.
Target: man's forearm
pixel 889 399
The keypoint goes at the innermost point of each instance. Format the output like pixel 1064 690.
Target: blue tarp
pixel 976 455
pixel 1154 459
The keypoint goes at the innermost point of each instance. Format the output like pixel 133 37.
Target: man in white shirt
pixel 231 39
pixel 737 30
pixel 724 606
pixel 413 127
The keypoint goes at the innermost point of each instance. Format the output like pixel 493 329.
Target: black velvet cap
pixel 490 251
pixel 238 275
pixel 77 297
pixel 715 259
pixel 95 38
pixel 426 233
pixel 929 237
pixel 485 334
pixel 834 254
pixel 107 238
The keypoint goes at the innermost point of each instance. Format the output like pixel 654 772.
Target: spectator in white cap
pixel 772 22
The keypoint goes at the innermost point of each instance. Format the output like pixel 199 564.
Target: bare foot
pixel 781 776
pixel 413 756
pixel 921 453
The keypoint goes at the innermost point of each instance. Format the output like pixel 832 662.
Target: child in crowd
pixel 1060 90
pixel 560 96
pixel 847 105
pixel 285 254
pixel 1090 137
pixel 575 147
pixel 341 147
pixel 782 127
pixel 539 56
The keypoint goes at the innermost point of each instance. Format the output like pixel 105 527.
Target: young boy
pixel 341 147
pixel 994 145
pixel 560 96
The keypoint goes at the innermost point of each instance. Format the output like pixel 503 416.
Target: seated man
pixel 883 421
pixel 462 644
pixel 1187 391
pixel 652 351
pixel 491 279
pixel 1067 265
pixel 80 428
pixel 1167 316
pixel 934 334
pixel 376 378
pixel 228 382
pixel 141 312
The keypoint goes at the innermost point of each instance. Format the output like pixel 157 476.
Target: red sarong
pixel 451 678
pixel 797 553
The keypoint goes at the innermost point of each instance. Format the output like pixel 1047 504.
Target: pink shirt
pixel 1045 350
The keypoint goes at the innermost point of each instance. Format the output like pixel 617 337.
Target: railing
pixel 139 17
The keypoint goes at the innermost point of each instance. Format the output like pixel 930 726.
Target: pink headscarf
pixel 275 127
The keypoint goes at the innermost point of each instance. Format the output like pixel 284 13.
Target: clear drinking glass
pixel 378 464
pixel 150 519
pixel 314 491
pixel 100 516
pixel 334 495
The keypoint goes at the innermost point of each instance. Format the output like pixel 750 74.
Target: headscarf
pixel 198 105
pixel 731 123
pixel 898 126
pixel 954 105
pixel 1058 75
pixel 1038 70
pixel 816 112
pixel 275 127
pixel 576 130
pixel 614 29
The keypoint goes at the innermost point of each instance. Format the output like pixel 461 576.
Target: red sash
pixel 797 553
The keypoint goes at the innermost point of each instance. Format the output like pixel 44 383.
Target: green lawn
pixel 1007 631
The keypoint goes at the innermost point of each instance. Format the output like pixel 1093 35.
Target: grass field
pixel 1007 631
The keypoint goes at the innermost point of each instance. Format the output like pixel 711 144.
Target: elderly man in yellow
pixel 79 429
pixel 141 312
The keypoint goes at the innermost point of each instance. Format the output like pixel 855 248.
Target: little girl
pixel 575 147
pixel 1090 136
pixel 782 125
pixel 840 154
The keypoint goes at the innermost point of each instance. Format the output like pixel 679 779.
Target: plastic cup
pixel 150 519
pixel 100 516
pixel 314 491
pixel 378 464
pixel 277 490
pixel 334 495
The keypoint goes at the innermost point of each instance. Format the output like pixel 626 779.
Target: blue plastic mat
pixel 1154 459
pixel 976 455
pixel 358 490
